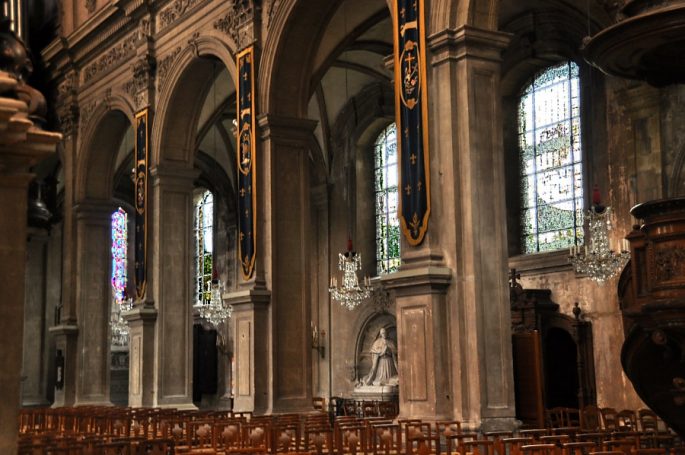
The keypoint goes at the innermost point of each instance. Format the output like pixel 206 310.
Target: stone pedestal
pixel 21 146
pixel 251 375
pixel 422 334
pixel 141 345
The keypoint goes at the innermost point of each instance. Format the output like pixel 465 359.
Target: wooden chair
pixel 386 440
pixel 448 429
pixel 626 420
pixel 535 433
pixel 479 447
pixel 608 419
pixel 578 448
pixel 540 449
pixel 512 446
pixel 590 419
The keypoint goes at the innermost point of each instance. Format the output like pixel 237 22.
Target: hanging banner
pixel 411 110
pixel 141 153
pixel 247 178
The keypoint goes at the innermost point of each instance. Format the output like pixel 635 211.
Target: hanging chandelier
pixel 597 260
pixel 216 311
pixel 117 322
pixel 350 294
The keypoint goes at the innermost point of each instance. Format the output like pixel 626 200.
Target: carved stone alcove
pixel 363 361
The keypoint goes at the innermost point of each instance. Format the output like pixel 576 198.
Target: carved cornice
pixel 232 23
pixel 175 12
pixel 114 56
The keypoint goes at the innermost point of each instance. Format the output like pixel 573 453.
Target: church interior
pixel 342 226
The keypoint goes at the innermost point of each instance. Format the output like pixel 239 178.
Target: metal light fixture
pixel 597 260
pixel 216 311
pixel 350 294
pixel 118 323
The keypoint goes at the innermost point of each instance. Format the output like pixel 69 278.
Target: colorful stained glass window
pixel 119 247
pixel 204 246
pixel 551 160
pixel 387 224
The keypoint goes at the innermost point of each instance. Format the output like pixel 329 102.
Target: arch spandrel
pixel 178 109
pixel 98 151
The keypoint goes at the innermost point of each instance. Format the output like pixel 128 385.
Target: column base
pixel 141 321
pixel 65 364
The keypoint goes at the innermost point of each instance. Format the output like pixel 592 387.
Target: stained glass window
pixel 551 160
pixel 204 246
pixel 387 224
pixel 119 246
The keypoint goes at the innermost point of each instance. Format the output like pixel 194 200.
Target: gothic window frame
pixel 204 202
pixel 387 226
pixel 119 254
pixel 531 202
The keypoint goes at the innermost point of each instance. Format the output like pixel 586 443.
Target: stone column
pixel 21 146
pixel 170 247
pixel 141 345
pixel 284 218
pixel 65 331
pixel 250 325
pixel 93 301
pixel 34 380
pixel 469 221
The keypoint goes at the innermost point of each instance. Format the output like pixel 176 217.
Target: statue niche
pixel 376 358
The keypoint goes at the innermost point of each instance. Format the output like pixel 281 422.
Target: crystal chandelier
pixel 350 294
pixel 118 323
pixel 598 261
pixel 216 311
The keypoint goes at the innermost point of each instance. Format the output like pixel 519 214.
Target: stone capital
pixel 467 42
pixel 140 315
pixel 248 299
pixel 421 280
pixel 67 330
pixel 288 130
pixel 166 174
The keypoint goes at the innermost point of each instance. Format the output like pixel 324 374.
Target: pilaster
pixel 467 158
pixel 93 301
pixel 141 373
pixel 170 271
pixel 286 251
pixel 251 370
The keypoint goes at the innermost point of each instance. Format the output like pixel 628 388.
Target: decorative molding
pixel 114 56
pixel 165 65
pixel 68 119
pixel 87 110
pixel 67 88
pixel 143 71
pixel 175 11
pixel 90 6
pixel 240 13
pixel 271 8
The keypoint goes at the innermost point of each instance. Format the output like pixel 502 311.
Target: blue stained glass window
pixel 551 167
pixel 119 247
pixel 387 224
pixel 204 246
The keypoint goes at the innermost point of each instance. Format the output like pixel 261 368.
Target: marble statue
pixel 383 362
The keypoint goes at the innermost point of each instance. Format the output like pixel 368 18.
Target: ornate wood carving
pixel 669 263
pixel 90 6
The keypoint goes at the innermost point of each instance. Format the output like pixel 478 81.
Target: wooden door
pixel 528 379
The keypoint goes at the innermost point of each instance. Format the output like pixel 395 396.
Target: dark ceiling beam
pixel 362 69
pixel 344 44
pixel 377 47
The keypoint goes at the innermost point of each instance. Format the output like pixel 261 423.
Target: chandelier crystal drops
pixel 118 323
pixel 598 261
pixel 350 294
pixel 216 311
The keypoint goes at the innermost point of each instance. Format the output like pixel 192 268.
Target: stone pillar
pixel 141 345
pixel 422 330
pixel 34 376
pixel 93 301
pixel 21 146
pixel 250 325
pixel 285 220
pixel 65 331
pixel 469 221
pixel 170 247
